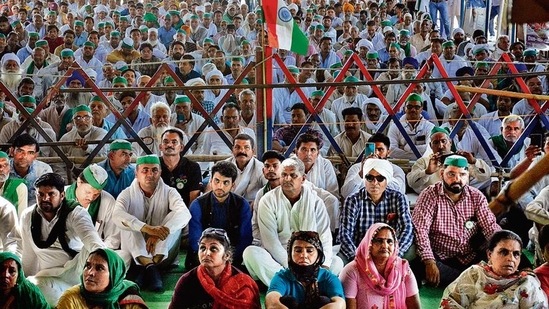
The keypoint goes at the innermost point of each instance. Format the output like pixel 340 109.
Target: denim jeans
pixel 442 7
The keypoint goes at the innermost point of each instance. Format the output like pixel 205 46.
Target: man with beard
pixel 88 191
pixel 492 121
pixel 11 71
pixel 353 140
pixel 35 63
pixel 11 188
pixel 99 112
pixel 177 171
pixel 88 60
pixel 152 135
pixel 409 70
pixel 169 95
pixel 351 98
pixel 76 81
pixel 118 165
pixel 448 219
pixel 151 215
pixel 213 144
pixel 523 107
pixel 512 127
pixel 250 178
pixel 223 209
pixel 290 207
pixel 186 70
pixel 68 42
pixel 57 114
pixel 57 236
pixel 24 151
pixel 82 132
pixel 8 131
pixel 374 203
pixel 47 76
pixel 158 49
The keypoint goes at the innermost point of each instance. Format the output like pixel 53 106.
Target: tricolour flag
pixel 283 32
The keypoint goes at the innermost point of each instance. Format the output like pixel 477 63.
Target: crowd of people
pixel 316 234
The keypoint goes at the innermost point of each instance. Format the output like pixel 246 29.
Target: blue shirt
pixel 220 215
pixel 118 134
pixel 359 213
pixel 166 36
pixel 285 283
pixel 115 184
pixel 142 121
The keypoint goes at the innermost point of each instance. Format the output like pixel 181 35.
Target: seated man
pixel 373 204
pixel 249 177
pixel 354 180
pixel 352 140
pixel 151 215
pixel 283 137
pixel 426 170
pixel 11 188
pixel 288 208
pixel 56 237
pixel 24 151
pixel 118 166
pixel 82 132
pixel 223 209
pixel 10 224
pixel 451 223
pixel 417 128
pixel 512 127
pixel 88 191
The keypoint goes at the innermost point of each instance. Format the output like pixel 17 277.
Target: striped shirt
pixel 360 212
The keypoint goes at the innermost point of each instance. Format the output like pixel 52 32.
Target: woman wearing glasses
pixel 215 282
pixel 305 284
pixel 377 269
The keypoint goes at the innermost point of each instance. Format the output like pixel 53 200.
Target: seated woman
pixel 15 290
pixel 498 283
pixel 304 284
pixel 103 285
pixel 215 282
pixel 377 269
pixel 543 271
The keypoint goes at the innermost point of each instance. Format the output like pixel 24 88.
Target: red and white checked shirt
pixel 441 226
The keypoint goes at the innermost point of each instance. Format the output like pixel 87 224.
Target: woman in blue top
pixel 304 284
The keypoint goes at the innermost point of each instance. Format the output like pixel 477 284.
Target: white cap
pixel 383 167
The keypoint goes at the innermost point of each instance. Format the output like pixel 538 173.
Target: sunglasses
pixel 378 178
pixel 216 232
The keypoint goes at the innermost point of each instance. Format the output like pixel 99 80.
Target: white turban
pixel 364 43
pixel 152 30
pixel 10 56
pixel 383 167
pixel 212 74
pixel 207 68
pixel 101 8
pixel 195 82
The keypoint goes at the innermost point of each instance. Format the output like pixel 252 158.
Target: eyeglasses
pixel 417 107
pixel 378 178
pixel 215 232
pixel 78 118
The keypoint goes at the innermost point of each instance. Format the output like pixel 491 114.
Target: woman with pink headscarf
pixel 384 279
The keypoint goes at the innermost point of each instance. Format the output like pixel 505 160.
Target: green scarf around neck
pixel 93 209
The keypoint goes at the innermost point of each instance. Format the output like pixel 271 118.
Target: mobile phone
pixel 536 140
pixel 370 149
pixel 444 156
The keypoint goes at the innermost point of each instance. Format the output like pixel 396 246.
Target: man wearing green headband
pixel 445 238
pixel 68 42
pixel 237 66
pixel 88 191
pixel 118 165
pixel 188 121
pixel 125 52
pixel 426 170
pixel 46 76
pixel 350 98
pixel 450 61
pixel 152 134
pixel 151 215
pixel 83 130
pixel 13 189
pixel 166 32
pixel 417 128
pixel 99 113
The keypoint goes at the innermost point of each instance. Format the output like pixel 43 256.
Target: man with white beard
pixel 159 50
pixel 73 99
pixel 11 71
pixel 152 135
pixel 82 132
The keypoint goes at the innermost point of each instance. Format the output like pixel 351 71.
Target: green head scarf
pixel 27 295
pixel 117 285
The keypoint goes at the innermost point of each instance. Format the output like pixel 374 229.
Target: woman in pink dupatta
pixel 378 278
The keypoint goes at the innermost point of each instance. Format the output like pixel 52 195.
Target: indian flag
pixel 282 30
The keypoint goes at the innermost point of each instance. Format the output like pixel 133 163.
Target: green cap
pixel 89 43
pixel 116 13
pixel 317 93
pixel 143 28
pixel 34 34
pixel 207 40
pixel 1 104
pixel 3 155
pixel 81 108
pixel 455 160
pixel 174 12
pixel 238 59
pixel 52 13
pixel 41 43
pixel 195 16
pixel 180 99
pixel 372 55
pixel 319 27
pixel 244 81
pixel 95 176
pixel 448 44
pixel 207 15
pixel 530 52
pixel 120 80
pixel 386 23
pixel 414 97
pixel 482 64
pixel 79 23
pixel 15 23
pixel 149 17
pixel 395 45
pixel 124 18
pixel 115 34
pixel 293 69
pixel 245 42
pixel 96 98
pixel 351 79
pixel 148 159
pixel 27 99
pixel 336 65
pixel 348 52
pixel 168 79
pixel 2 36
pixel 120 144
pixel 101 25
pixel 67 52
pixel 436 130
pixel 109 24
pixel 404 32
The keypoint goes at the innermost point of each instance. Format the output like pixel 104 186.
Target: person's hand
pixel 81 143
pixel 469 156
pixel 161 232
pixel 532 152
pixel 434 163
pixel 432 274
pixel 151 244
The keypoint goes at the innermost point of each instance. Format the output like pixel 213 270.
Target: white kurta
pixel 133 210
pixel 249 180
pixel 323 175
pixel 420 136
pixel 94 134
pixel 10 224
